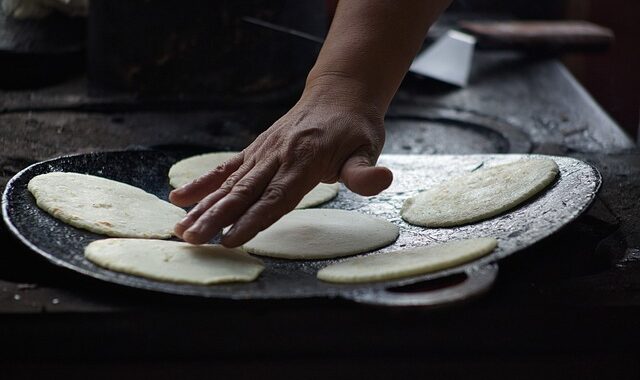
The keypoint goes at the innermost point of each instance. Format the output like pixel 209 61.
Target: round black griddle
pixel 538 218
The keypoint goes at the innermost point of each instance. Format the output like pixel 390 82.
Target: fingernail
pixel 194 229
pixel 229 232
pixel 228 236
pixel 190 235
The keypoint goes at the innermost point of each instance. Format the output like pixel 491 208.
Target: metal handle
pixel 477 282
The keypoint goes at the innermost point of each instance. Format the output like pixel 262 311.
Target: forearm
pixel 370 47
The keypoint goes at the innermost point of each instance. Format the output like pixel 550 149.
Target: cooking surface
pixel 562 202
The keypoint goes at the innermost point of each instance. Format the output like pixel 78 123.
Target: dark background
pixel 612 77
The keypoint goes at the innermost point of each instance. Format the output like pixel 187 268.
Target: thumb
pixel 361 177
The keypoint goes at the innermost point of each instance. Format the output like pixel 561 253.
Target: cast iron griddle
pixel 561 203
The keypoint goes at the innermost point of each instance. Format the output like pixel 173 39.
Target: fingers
pixel 280 196
pixel 275 191
pixel 211 199
pixel 226 209
pixel 361 177
pixel 198 210
pixel 195 191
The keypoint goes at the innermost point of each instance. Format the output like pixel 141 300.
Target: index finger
pixel 202 186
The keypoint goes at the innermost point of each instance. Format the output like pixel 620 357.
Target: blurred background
pixel 613 76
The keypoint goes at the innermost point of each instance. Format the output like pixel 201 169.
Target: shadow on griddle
pixel 431 285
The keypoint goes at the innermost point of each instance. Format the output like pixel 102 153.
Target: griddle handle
pixel 478 281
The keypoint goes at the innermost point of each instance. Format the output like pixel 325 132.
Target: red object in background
pixel 612 77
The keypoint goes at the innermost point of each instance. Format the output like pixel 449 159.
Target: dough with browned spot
pixel 104 206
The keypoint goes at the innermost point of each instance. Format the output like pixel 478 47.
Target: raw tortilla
pixel 174 261
pixel 104 206
pixel 321 234
pixel 185 171
pixel 323 192
pixel 407 262
pixel 479 195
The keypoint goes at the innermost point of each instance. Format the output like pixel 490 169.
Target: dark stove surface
pixel 575 295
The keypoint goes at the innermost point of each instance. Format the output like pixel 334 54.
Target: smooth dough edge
pixel 406 215
pixel 485 246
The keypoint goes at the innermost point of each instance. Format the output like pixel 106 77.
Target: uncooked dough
pixel 323 192
pixel 185 171
pixel 407 262
pixel 479 195
pixel 104 206
pixel 174 261
pixel 321 234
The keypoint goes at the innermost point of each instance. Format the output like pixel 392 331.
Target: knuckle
pixel 274 194
pixel 208 214
pixel 220 169
pixel 303 146
pixel 210 176
pixel 229 183
pixel 244 191
pixel 235 176
pixel 202 180
pixel 305 150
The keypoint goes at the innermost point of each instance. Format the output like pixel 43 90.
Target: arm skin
pixel 334 132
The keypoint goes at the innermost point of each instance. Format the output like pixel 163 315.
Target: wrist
pixel 339 89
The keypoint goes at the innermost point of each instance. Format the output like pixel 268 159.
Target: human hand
pixel 325 137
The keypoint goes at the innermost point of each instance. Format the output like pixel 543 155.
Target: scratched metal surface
pixel 63 245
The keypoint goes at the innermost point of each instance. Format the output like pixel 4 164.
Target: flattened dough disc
pixel 321 234
pixel 479 195
pixel 104 206
pixel 185 171
pixel 174 261
pixel 323 192
pixel 407 262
